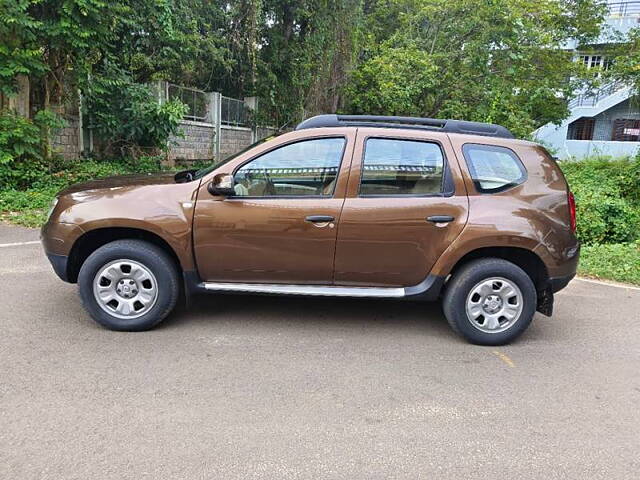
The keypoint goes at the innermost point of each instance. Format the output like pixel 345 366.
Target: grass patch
pixel 26 207
pixel 620 262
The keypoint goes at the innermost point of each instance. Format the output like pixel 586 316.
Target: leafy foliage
pixel 496 60
pixel 607 199
pixel 499 61
pixel 20 53
pixel 625 60
pixel 21 160
pixel 129 114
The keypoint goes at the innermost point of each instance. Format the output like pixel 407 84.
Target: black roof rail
pixel 448 126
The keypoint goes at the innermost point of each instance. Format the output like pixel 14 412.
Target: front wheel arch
pixel 90 241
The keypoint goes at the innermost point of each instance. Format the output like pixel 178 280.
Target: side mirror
pixel 222 184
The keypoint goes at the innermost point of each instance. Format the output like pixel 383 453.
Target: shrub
pixel 21 147
pixel 607 199
pixel 129 114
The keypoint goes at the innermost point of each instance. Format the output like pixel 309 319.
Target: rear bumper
pixel 558 283
pixel 59 264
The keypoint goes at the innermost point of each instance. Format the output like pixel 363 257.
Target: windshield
pixel 203 171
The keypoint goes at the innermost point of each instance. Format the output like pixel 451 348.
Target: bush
pixel 129 114
pixel 21 147
pixel 607 199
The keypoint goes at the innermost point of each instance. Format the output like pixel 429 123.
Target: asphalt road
pixel 266 387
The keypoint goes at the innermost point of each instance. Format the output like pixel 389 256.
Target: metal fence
pixel 195 100
pixel 234 112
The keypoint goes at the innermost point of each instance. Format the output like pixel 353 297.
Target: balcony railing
pixel 624 9
pixel 592 98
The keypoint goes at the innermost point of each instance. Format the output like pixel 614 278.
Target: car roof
pixel 414 123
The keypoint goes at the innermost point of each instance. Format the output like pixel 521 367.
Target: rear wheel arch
pixel 526 259
pixel 90 241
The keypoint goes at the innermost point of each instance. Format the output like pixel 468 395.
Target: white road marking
pixel 608 284
pixel 19 244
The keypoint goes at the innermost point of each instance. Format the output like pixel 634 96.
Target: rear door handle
pixel 319 218
pixel 440 218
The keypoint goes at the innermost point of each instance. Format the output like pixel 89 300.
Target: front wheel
pixel 128 285
pixel 490 301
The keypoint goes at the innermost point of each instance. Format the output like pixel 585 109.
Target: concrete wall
pixel 234 139
pixel 66 141
pixel 196 143
pixel 584 148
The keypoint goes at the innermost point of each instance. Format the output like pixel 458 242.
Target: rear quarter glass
pixel 493 168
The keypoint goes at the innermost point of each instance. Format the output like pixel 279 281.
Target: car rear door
pixel 405 204
pixel 280 225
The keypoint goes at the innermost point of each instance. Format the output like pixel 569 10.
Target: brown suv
pixel 355 206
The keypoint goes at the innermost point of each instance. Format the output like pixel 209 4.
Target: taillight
pixel 572 211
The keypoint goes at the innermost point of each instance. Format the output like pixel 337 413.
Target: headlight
pixel 54 202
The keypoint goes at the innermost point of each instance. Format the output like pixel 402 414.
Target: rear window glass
pixel 401 167
pixel 493 169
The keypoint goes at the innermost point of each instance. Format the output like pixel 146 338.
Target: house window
pixel 595 61
pixel 626 130
pixel 581 129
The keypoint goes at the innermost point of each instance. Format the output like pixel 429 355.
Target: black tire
pixel 460 286
pixel 152 258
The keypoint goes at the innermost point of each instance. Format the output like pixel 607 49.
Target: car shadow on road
pixel 418 317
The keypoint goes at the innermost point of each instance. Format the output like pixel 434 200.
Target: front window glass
pixel 493 169
pixel 203 171
pixel 401 167
pixel 303 168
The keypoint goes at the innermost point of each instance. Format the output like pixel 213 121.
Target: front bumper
pixel 57 239
pixel 59 264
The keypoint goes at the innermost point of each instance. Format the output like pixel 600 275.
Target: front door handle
pixel 440 218
pixel 319 218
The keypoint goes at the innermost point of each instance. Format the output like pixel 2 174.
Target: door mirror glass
pixel 222 184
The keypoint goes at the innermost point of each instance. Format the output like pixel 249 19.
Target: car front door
pixel 279 227
pixel 405 204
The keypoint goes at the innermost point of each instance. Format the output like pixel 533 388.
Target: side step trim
pixel 320 290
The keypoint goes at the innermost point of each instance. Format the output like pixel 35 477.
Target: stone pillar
pixel 252 104
pixel 214 117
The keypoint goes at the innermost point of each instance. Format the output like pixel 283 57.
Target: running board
pixel 429 289
pixel 315 290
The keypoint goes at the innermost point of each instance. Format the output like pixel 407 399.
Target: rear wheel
pixel 129 285
pixel 490 301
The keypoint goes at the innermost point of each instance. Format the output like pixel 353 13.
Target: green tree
pixel 625 56
pixel 305 52
pixel 497 61
pixel 20 53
